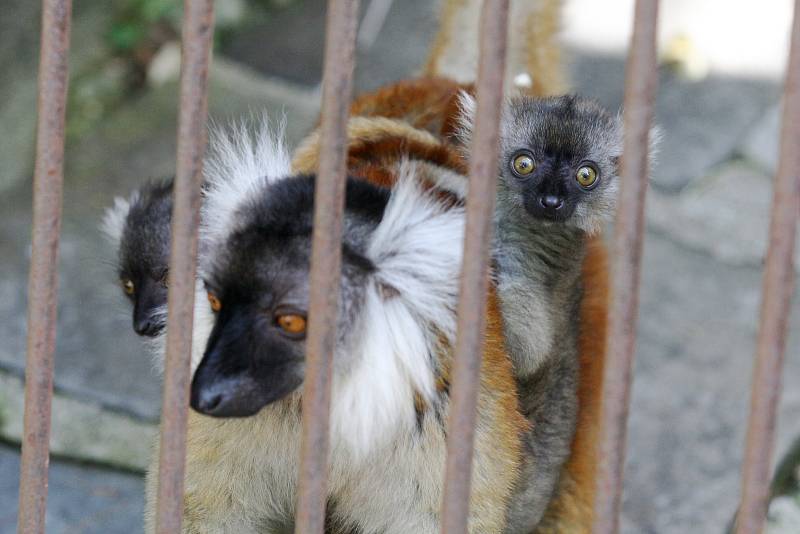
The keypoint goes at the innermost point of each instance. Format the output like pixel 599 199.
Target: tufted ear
pixel 654 141
pixel 241 160
pixel 466 117
pixel 113 224
pixel 408 312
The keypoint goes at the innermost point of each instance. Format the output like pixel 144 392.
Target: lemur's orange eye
pixel 128 287
pixel 291 323
pixel 216 304
pixel 522 164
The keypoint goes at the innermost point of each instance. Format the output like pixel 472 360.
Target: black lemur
pixel 139 228
pixel 401 255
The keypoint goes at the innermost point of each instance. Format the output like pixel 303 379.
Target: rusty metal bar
pixel 640 91
pixel 337 87
pixel 197 33
pixel 48 178
pixel 475 267
pixel 775 305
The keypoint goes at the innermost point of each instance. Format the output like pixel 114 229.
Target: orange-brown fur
pixel 424 103
pixel 542 51
pixel 533 44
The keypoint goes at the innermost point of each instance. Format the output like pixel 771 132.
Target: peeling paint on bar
pixel 337 87
pixel 641 79
pixel 475 268
pixel 48 181
pixel 197 33
pixel 775 306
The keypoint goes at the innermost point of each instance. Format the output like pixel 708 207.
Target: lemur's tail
pixel 534 50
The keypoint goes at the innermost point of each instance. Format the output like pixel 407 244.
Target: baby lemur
pixel 401 256
pixel 557 184
pixel 139 229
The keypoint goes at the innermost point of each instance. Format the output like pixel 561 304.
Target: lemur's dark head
pixel 258 288
pixel 141 227
pixel 558 159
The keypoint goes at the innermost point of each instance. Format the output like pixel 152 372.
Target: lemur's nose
pixel 551 202
pixel 146 327
pixel 207 402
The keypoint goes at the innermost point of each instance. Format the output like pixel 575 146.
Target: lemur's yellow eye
pixel 216 304
pixel 586 176
pixel 128 287
pixel 522 165
pixel 291 323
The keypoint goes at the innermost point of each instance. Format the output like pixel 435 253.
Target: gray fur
pixel 538 271
pixel 539 291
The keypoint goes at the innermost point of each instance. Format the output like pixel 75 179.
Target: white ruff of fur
pixel 409 302
pixel 203 323
pixel 115 217
pixel 467 107
pixel 240 162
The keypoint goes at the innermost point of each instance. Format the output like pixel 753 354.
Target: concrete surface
pixel 707 218
pixel 81 499
pixel 81 430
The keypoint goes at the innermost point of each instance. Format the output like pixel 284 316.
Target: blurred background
pixel 707 216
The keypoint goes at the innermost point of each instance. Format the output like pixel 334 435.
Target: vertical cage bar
pixel 48 180
pixel 197 33
pixel 337 86
pixel 775 305
pixel 641 80
pixel 475 267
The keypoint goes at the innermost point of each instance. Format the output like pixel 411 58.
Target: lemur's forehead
pixel 565 126
pixel 257 259
pixel 254 261
pixel 146 239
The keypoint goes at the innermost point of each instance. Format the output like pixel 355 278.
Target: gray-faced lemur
pixel 139 229
pixel 401 255
pixel 557 185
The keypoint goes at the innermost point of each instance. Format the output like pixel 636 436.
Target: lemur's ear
pixel 408 313
pixel 653 139
pixel 416 250
pixel 114 218
pixel 241 160
pixel 388 291
pixel 466 117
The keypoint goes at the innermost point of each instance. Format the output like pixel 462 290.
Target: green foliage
pixel 140 28
pixel 135 21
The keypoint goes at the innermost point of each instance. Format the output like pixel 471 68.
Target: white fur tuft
pixel 114 219
pixel 467 107
pixel 409 303
pixel 202 324
pixel 240 161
